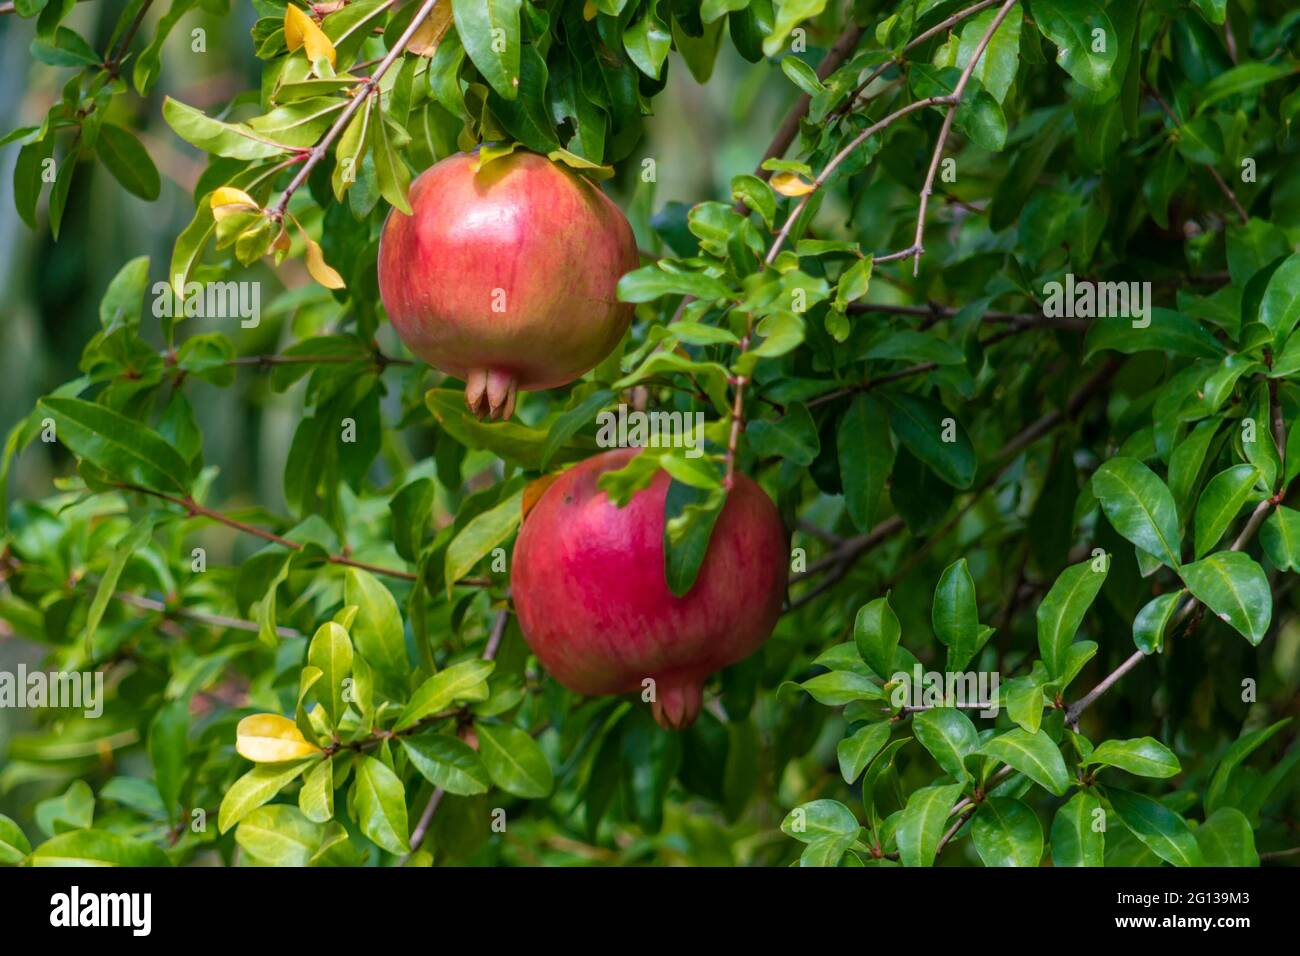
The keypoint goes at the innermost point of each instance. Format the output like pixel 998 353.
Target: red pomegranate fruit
pixel 593 603
pixel 506 276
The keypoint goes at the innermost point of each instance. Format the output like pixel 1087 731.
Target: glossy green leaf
pixel 949 736
pixel 876 632
pixel 1062 611
pixel 1235 588
pixel 1222 500
pixel 447 763
pixel 1163 831
pixel 1078 832
pixel 515 761
pixel 860 748
pixel 1005 832
pixel 1139 506
pixel 1034 755
pixel 923 822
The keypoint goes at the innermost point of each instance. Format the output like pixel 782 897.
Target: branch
pixel 196 510
pixel 851 103
pixel 918 242
pixel 430 808
pixel 935 312
pixel 114 65
pixel 363 93
pixel 1218 180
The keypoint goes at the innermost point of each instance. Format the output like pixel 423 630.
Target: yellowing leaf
pixel 270 738
pixel 228 200
pixel 589 11
pixel 791 184
pixel 489 152
pixel 425 40
pixel 316 265
pixel 300 30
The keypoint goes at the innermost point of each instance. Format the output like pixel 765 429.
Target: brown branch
pixel 363 93
pixel 851 102
pixel 196 510
pixel 918 241
pixel 1218 180
pixel 114 65
pixel 430 808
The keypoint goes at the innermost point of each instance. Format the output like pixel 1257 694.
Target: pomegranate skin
pixel 593 604
pixel 506 277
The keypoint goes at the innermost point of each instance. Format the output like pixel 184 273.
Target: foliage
pixel 983 471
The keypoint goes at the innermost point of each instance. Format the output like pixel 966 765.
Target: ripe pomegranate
pixel 593 603
pixel 506 277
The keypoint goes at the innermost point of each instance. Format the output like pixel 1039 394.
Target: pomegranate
pixel 506 276
pixel 593 603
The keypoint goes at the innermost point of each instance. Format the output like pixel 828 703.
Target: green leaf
pixel 447 763
pixel 377 632
pixel 1075 839
pixel 331 651
pixel 1063 609
pixel 648 40
pixel 818 820
pixel 689 516
pixel 392 175
pixel 1226 838
pixel 650 282
pixel 168 745
pixel 841 687
pixel 866 457
pixel 235 140
pixel 788 15
pixel 1150 624
pixel 1070 24
pixel 14 845
pixel 514 761
pixel 1236 589
pixel 135 539
pixel 466 681
pixel 526 116
pixel 923 822
pixel 1239 80
pixel 489 31
pixel 857 750
pixel 955 616
pixel 1139 506
pixel 1143 756
pixel 792 437
pixel 477 539
pixel 1279 310
pixel 1216 793
pixel 1007 833
pixel 1221 502
pixel 1280 537
pixel 876 633
pixel 65 48
pixel 949 736
pixel 996 70
pixel 1163 831
pixel 255 788
pixel 124 448
pixel 1034 755
pixel 381 806
pixel 279 835
pixel 933 435
pixel 121 302
pixel 316 798
pixel 97 848
pixel 128 161
pixel 1167 331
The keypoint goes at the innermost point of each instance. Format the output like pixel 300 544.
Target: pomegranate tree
pixel 594 605
pixel 505 275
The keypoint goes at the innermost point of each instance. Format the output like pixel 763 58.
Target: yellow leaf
pixel 589 11
pixel 318 268
pixel 301 30
pixel 270 738
pixel 227 200
pixel 425 40
pixel 490 152
pixel 791 184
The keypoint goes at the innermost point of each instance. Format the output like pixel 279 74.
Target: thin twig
pixel 918 241
pixel 1218 180
pixel 363 93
